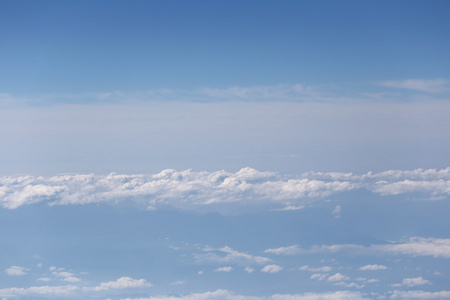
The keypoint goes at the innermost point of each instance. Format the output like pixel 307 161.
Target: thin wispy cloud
pixel 227 255
pixel 414 246
pixel 422 85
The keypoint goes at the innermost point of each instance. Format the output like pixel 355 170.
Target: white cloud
pixel 121 283
pixel 337 277
pixel 415 281
pixel 190 190
pixel 39 290
pixel 349 285
pixel 179 282
pixel 271 269
pixel 289 250
pixel 418 246
pixel 227 295
pixel 290 207
pixel 372 268
pixel 231 257
pixel 46 279
pixel 224 269
pixel 249 269
pixel 72 279
pixel 337 211
pixel 415 246
pixel 319 276
pixel 420 295
pixel 319 269
pixel 16 271
pixel 429 86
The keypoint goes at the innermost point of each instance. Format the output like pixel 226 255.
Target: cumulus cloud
pixel 227 255
pixel 121 283
pixel 413 282
pixel 271 269
pixel 372 268
pixel 188 189
pixel 249 269
pixel 16 271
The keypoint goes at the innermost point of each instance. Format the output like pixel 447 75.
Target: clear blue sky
pixel 224 150
pixel 97 46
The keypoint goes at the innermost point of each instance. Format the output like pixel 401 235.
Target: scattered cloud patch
pixel 319 276
pixel 372 268
pixel 271 269
pixel 418 246
pixel 16 271
pixel 72 279
pixel 224 269
pixel 39 290
pixel 319 269
pixel 121 283
pixel 227 295
pixel 411 282
pixel 419 295
pixel 289 250
pixel 337 211
pixel 227 255
pixel 249 269
pixel 338 277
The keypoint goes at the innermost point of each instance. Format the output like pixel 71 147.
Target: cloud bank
pixel 190 190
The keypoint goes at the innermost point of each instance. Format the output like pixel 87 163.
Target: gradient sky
pixel 264 150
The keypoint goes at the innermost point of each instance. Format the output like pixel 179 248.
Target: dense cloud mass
pixel 188 189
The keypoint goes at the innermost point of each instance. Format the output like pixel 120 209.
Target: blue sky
pixel 224 150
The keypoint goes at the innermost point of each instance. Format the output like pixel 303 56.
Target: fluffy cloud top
pixel 415 281
pixel 372 268
pixel 188 189
pixel 271 269
pixel 122 283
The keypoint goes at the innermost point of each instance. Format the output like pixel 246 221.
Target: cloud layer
pixel 188 189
